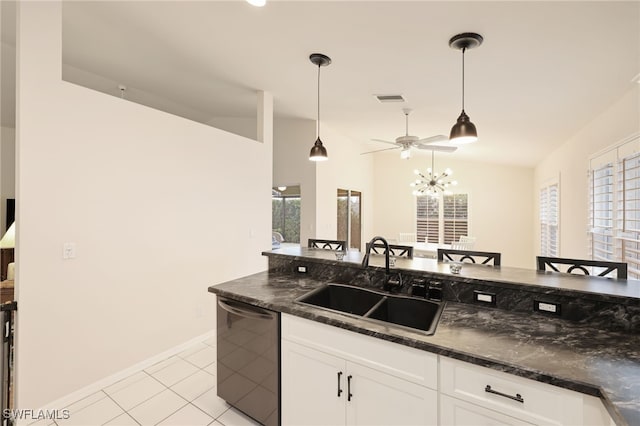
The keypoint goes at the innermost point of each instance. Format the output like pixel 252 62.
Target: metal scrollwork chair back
pixel 599 268
pixel 482 257
pixel 327 244
pixel 394 250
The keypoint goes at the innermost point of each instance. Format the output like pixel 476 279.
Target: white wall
pixel 159 207
pixel 345 169
pixel 500 202
pixel 239 125
pixel 571 162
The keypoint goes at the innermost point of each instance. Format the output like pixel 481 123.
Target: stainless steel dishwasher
pixel 249 359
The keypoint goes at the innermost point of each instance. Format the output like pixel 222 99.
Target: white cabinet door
pixel 311 381
pixel 376 398
pixel 455 412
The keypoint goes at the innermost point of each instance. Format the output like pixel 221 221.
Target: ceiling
pixel 545 69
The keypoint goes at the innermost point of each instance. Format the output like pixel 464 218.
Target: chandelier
pixel 432 183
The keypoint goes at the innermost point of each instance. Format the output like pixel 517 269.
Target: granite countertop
pixel 626 291
pixel 562 353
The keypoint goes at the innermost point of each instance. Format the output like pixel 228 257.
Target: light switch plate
pixel 302 269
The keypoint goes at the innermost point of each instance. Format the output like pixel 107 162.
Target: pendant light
pixel 464 131
pixel 318 151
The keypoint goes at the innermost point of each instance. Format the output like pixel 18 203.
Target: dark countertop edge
pixel 320 315
pixel 603 297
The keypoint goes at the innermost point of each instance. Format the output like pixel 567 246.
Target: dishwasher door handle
pixel 255 313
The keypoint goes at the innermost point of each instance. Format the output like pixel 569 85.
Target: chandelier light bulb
pixel 448 171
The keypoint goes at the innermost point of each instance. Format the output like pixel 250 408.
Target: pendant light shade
pixel 464 131
pixel 318 151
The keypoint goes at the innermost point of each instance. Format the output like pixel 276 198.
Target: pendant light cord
pixel 318 124
pixel 463 49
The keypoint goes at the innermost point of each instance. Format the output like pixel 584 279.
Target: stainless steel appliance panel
pixel 248 344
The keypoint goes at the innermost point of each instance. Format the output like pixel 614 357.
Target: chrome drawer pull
pixel 518 397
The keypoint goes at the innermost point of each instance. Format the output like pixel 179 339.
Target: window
pixel 285 213
pixel 442 219
pixel 601 220
pixel 549 235
pixel 614 206
pixel 349 217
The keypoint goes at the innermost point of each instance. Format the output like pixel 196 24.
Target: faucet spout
pixel 365 259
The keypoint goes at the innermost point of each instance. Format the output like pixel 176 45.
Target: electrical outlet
pixel 302 269
pixel 547 307
pixel 484 297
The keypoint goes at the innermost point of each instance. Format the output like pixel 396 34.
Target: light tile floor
pixel 179 391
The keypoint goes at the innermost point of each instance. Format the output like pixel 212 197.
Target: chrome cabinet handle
pixel 339 389
pixel 518 397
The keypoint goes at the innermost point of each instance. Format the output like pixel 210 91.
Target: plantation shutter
pixel 455 217
pixel 549 208
pixel 428 219
pixel 628 212
pixel 601 212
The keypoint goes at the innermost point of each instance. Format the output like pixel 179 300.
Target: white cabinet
pixel 392 384
pixel 312 386
pixel 360 381
pixel 456 412
pixel 474 395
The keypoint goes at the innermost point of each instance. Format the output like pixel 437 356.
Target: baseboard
pixel 66 400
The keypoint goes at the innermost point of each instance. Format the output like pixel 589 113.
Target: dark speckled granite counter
pixel 573 355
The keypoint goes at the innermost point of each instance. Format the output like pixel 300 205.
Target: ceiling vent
pixel 389 98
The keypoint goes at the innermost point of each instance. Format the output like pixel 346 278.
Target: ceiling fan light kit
pixel 318 151
pixel 464 131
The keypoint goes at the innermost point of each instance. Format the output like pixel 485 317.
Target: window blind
pixel 549 213
pixel 442 219
pixel 601 188
pixel 428 219
pixel 455 217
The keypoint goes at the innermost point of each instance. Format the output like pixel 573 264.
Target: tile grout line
pixel 180 408
pixel 122 408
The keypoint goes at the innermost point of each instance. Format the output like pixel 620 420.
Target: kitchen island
pixel 576 355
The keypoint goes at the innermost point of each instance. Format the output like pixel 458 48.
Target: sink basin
pixel 403 311
pixel 342 298
pixel 421 314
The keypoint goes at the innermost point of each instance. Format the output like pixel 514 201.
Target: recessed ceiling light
pixel 258 3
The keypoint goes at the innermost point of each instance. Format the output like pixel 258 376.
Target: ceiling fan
pixel 407 142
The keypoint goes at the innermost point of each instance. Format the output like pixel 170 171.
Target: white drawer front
pixel 407 363
pixel 540 403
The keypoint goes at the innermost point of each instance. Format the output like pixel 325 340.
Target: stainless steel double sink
pixel 403 311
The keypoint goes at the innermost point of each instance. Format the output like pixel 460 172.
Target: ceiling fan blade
pixel 378 150
pixel 433 139
pixel 443 148
pixel 383 141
